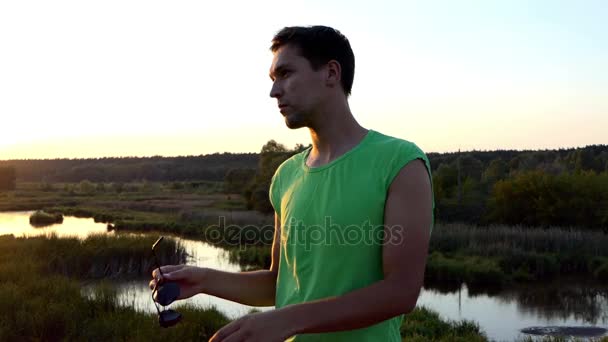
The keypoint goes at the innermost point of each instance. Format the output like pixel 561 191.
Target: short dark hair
pixel 319 45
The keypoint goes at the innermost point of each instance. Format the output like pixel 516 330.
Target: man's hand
pixel 254 288
pixel 189 278
pixel 264 326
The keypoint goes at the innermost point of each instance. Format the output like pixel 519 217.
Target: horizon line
pixel 224 152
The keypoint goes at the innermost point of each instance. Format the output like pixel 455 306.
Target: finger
pixel 226 331
pixel 171 268
pixel 156 274
pixel 152 284
pixel 165 269
pixel 237 336
pixel 183 273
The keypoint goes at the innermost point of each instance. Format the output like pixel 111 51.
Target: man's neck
pixel 337 134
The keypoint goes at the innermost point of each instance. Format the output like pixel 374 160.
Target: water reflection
pixel 502 315
pixel 587 303
pixel 18 224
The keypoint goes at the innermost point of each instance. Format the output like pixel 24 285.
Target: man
pixel 353 214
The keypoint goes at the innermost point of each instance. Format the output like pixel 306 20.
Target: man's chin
pixel 294 124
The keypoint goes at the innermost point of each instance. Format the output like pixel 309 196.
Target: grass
pixel 475 271
pixel 97 256
pixel 503 240
pixel 40 289
pixel 470 254
pixel 33 196
pixel 426 325
pixel 50 308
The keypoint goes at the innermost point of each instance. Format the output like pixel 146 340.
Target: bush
pixel 42 218
pixel 86 188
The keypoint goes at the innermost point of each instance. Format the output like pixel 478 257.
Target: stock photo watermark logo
pixel 297 232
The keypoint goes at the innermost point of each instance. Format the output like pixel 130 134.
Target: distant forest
pixel 211 167
pixel 564 187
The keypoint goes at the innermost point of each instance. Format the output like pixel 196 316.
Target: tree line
pixel 565 187
pixel 211 167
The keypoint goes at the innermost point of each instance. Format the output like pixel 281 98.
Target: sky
pixel 82 79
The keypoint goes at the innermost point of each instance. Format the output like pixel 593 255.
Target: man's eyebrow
pixel 278 70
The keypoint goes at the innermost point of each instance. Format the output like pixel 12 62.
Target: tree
pixel 273 146
pixel 536 198
pixel 600 161
pixel 583 160
pixel 470 167
pixel 496 171
pixel 237 180
pixel 272 155
pixel 445 179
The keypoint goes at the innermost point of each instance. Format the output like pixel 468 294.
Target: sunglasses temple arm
pixel 156 286
pixel 157 263
pixel 155 304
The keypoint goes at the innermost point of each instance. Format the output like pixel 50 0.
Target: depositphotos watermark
pixel 296 232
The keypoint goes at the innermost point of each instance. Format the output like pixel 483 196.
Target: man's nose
pixel 275 91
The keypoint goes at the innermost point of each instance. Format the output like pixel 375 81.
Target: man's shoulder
pixel 292 162
pixel 391 144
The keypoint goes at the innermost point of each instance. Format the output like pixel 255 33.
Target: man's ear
pixel 334 74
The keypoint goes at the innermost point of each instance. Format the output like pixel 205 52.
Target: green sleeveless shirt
pixel 332 220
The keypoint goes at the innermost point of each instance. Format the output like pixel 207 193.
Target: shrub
pixel 42 218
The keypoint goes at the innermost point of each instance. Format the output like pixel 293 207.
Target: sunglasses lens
pixel 169 318
pixel 166 293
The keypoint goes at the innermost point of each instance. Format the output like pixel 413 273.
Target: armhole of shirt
pixel 274 193
pixel 413 153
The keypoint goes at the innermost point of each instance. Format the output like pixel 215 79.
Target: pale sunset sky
pixel 141 78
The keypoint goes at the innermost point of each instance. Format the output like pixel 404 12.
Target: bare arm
pixel 255 288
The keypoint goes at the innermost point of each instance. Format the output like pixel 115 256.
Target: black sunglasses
pixel 164 293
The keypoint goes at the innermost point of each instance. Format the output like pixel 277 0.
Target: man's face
pixel 296 86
